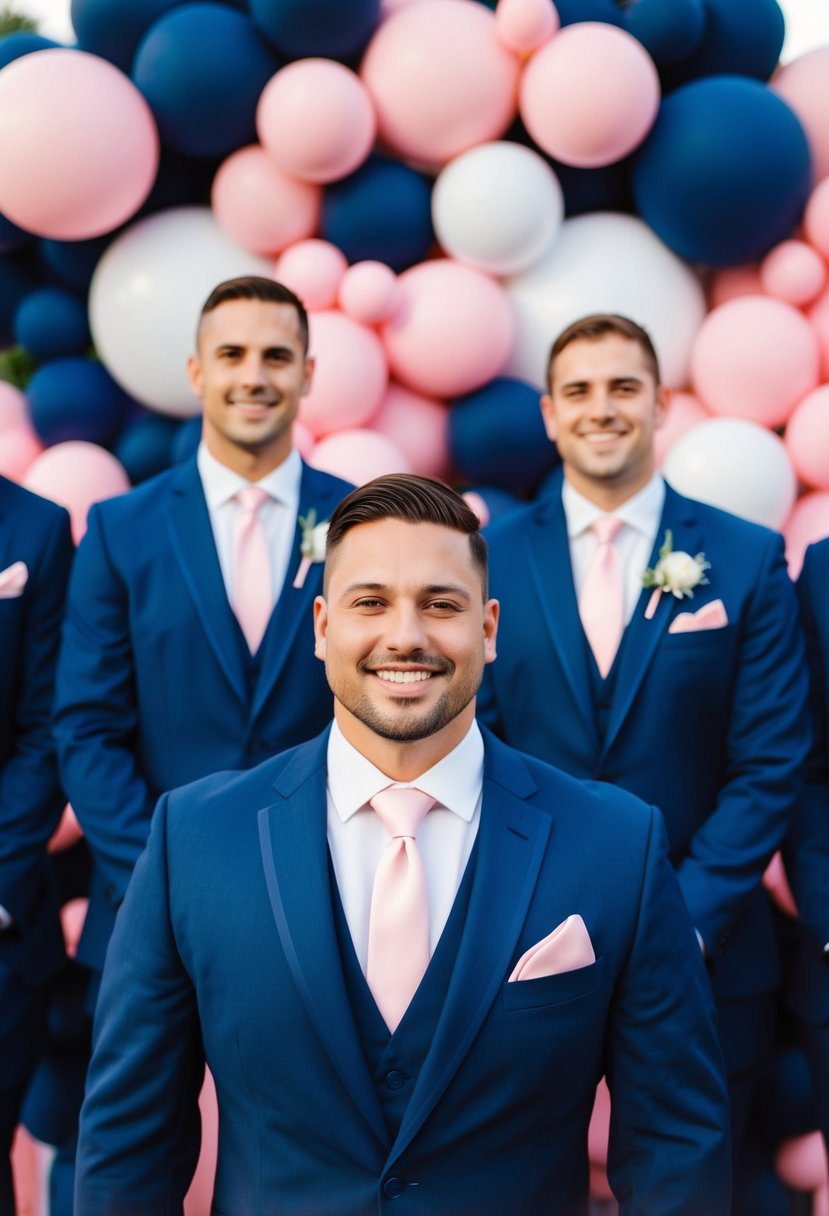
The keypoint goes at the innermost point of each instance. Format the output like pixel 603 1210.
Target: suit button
pixel 393 1188
pixel 395 1079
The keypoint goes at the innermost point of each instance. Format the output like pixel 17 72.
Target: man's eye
pixel 369 602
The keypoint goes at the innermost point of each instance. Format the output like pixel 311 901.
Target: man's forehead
pixel 234 322
pixel 396 548
pixel 611 355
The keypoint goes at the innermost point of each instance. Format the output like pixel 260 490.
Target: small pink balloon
pixel 590 95
pixel 75 475
pixel 776 883
pixel 684 412
pixel 793 271
pixel 259 206
pixel 350 374
pixel 804 84
pixel 440 79
pixel 78 145
pixel 358 456
pixel 418 426
pixel 818 314
pixel 369 292
pixel 316 120
pixel 816 218
pixel 754 358
pixel 18 449
pixel 523 25
pixel 303 439
pixel 807 438
pixel 808 522
pixel 452 331
pixel 478 504
pixel 14 410
pixel 800 1163
pixel 733 282
pixel 314 270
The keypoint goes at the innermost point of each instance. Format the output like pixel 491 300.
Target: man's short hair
pixel 597 325
pixel 414 499
pixel 255 287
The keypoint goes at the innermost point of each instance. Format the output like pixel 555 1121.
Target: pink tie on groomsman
pixel 601 603
pixel 398 929
pixel 252 595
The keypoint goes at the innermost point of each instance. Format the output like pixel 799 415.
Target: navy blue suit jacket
pixel 37 533
pixel 226 949
pixel 153 688
pixel 710 726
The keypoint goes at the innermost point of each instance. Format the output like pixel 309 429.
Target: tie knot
pixel 606 529
pixel 401 810
pixel 251 498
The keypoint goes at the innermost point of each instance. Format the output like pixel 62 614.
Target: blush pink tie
pixel 252 597
pixel 601 603
pixel 398 929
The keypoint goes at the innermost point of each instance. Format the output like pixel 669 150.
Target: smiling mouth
pixel 404 677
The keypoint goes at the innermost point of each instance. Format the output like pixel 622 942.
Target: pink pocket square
pixel 565 949
pixel 12 580
pixel 710 616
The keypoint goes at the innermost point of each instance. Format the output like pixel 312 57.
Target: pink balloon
pixel 801 1163
pixel 453 330
pixel 440 79
pixel 684 412
pixel 776 883
pixel 818 314
pixel 808 522
pixel 807 438
pixel 18 449
pixel 478 504
pixel 316 120
pixel 804 84
pixel 259 206
pixel 358 456
pixel 754 358
pixel 314 270
pixel 303 439
pixel 14 409
pixel 793 272
pixel 734 282
pixel 523 25
pixel 369 292
pixel 816 217
pixel 78 145
pixel 590 95
pixel 350 375
pixel 418 426
pixel 76 475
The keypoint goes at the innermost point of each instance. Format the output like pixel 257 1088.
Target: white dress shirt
pixel 634 542
pixel 357 838
pixel 278 515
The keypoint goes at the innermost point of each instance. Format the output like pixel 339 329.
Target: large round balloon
pixel 350 375
pixel 606 263
pixel 358 456
pixel 737 465
pixel 261 207
pixel 741 37
pixel 497 437
pixel 146 296
pixel 667 31
pixel 440 79
pixel 21 42
pixel 808 522
pixel 417 425
pixel 590 95
pixel 76 399
pixel 725 171
pixel 807 438
pixel 816 217
pixel 52 322
pixel 78 145
pixel 380 213
pixel 804 84
pixel 113 29
pixel 497 207
pixel 298 28
pixel 73 262
pixel 145 446
pixel 76 475
pixel 313 269
pixel 184 65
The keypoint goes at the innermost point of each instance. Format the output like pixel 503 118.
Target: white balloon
pixel 497 207
pixel 146 295
pixel 606 262
pixel 737 465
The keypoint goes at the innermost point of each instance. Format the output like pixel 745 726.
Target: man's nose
pixel 405 632
pixel 253 372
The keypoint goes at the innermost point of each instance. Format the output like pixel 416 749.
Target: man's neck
pixel 403 760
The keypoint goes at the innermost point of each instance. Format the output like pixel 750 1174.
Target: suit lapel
pixel 294 847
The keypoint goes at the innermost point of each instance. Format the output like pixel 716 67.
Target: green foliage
pixel 14 23
pixel 17 366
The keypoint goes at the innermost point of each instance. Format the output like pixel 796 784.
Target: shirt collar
pixel 642 511
pixel 221 483
pixel 455 781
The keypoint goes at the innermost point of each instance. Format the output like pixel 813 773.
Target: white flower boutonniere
pixel 676 573
pixel 312 546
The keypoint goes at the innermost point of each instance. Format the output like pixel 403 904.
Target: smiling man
pixel 653 642
pixel 406 951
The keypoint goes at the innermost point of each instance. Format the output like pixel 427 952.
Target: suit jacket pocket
pixel 552 989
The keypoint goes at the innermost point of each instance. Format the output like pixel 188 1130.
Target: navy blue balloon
pixel 12 237
pixel 667 31
pixel 571 11
pixel 12 46
pixel 145 446
pixel 52 322
pixel 333 28
pixel 202 68
pixel 607 188
pixel 114 28
pixel 499 502
pixel 382 212
pixel 181 181
pixel 17 279
pixel 76 399
pixel 741 37
pixel 187 440
pixel 497 437
pixel 73 262
pixel 725 171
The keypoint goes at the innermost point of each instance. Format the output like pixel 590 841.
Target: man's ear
pixel 194 375
pixel 310 364
pixel 663 400
pixel 320 626
pixel 492 611
pixel 548 413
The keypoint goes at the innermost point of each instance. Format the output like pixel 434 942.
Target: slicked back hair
pixel 415 500
pixel 598 325
pixel 256 287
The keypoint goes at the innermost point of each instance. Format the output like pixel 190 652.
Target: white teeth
pixel 404 677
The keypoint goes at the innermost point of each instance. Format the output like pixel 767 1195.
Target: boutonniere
pixel 676 573
pixel 312 546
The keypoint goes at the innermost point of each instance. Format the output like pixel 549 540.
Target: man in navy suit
pixel 35 556
pixel 157 684
pixel 556 945
pixel 702 709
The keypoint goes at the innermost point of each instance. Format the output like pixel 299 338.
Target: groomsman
pixel 35 556
pixel 653 642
